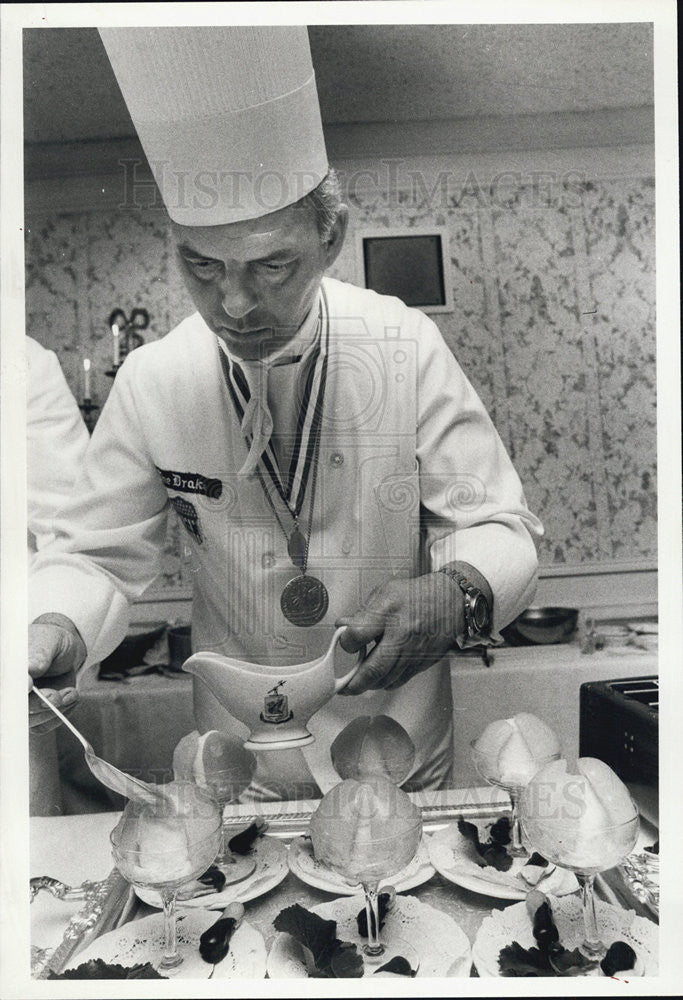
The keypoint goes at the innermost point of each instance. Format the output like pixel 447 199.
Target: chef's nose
pixel 236 296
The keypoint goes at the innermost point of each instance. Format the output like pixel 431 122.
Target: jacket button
pixel 346 546
pixel 267 560
pixel 336 458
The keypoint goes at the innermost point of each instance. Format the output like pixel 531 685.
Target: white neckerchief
pixel 257 422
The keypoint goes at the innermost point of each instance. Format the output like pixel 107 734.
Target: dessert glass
pixel 584 849
pixel 488 767
pixel 376 861
pixel 193 844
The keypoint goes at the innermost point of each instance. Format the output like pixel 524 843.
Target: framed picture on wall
pixel 413 264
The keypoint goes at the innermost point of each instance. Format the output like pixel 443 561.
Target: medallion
pixel 304 601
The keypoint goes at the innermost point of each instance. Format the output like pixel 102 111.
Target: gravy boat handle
pixel 341 682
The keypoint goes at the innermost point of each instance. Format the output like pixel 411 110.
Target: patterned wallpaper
pixel 554 322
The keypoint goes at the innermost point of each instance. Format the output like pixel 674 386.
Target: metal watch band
pixel 473 635
pixel 458 577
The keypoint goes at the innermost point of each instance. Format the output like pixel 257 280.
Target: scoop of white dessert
pixel 165 835
pixel 214 759
pixel 510 751
pixel 365 829
pixel 584 819
pixel 373 744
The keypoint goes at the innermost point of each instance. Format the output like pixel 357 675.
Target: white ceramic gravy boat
pixel 274 702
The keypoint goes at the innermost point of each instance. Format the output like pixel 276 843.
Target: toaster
pixel 619 724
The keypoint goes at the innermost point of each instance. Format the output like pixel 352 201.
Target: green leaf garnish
pixel 346 963
pixel 97 968
pixel 310 930
pixel 514 960
pixel 500 831
pixel 332 958
pixel 550 958
pixel 491 853
pixel 569 963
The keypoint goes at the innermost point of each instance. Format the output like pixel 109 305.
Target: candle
pixel 86 369
pixel 115 332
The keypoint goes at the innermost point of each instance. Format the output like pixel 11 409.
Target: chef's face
pixel 254 282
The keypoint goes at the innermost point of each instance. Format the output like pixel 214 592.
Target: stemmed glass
pixel 370 860
pixel 585 849
pixel 218 762
pixel 514 783
pixel 164 850
pixel 379 861
pixel 226 786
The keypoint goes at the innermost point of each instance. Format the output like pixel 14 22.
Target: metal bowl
pixel 542 626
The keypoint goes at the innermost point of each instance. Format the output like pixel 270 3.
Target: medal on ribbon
pixel 304 600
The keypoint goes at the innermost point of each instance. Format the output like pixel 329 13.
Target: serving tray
pixel 107 905
pixel 112 902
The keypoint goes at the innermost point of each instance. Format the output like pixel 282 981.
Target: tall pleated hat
pixel 228 117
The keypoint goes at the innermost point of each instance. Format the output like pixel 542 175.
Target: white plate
pixel 452 856
pixel 143 941
pixel 503 927
pixel 271 867
pixel 304 865
pixel 442 945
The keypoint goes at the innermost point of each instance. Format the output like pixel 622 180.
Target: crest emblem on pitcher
pixel 276 706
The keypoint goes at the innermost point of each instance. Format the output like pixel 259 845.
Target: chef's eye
pixel 204 269
pixel 272 267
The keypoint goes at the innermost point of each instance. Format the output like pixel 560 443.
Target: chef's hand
pixel 55 652
pixel 414 623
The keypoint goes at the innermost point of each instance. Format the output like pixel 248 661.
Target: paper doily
pixel 503 927
pixel 303 864
pixel 143 941
pixel 442 945
pixel 271 868
pixel 452 856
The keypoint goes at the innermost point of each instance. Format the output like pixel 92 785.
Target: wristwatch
pixel 477 609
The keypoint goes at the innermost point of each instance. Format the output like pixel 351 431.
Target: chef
pixel 327 458
pixel 56 441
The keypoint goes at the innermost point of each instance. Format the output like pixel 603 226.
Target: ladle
pixel 112 777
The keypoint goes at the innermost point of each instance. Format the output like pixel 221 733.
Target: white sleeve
pixel 56 440
pixel 111 531
pixel 473 503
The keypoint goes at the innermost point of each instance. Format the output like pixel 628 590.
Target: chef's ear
pixel 335 240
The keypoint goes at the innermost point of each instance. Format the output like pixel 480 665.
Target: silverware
pixel 214 943
pixel 108 774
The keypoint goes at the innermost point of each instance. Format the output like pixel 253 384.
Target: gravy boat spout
pixel 275 703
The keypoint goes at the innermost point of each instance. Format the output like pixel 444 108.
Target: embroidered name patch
pixel 188 515
pixel 191 482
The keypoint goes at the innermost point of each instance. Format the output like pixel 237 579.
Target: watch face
pixel 480 613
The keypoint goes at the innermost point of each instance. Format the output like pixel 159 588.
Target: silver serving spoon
pixel 112 777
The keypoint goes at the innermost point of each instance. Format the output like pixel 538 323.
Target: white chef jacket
pixel 411 475
pixel 56 442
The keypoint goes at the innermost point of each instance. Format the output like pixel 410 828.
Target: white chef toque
pixel 228 117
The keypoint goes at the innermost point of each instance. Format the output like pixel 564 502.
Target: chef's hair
pixel 326 200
